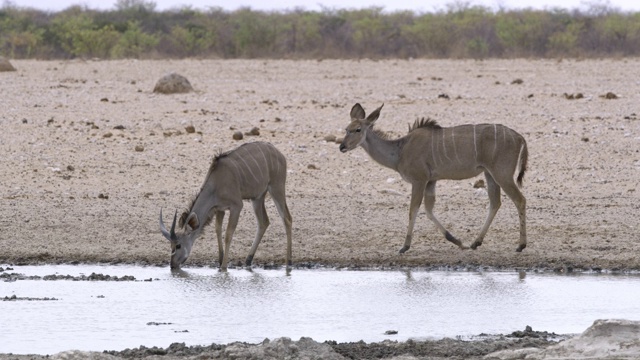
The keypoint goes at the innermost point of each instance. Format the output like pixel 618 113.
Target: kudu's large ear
pixel 357 112
pixel 375 114
pixel 192 222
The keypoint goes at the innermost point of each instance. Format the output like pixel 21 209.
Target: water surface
pixel 202 306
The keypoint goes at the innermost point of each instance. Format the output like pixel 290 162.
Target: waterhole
pixel 151 306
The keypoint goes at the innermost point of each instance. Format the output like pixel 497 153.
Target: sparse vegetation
pixel 134 29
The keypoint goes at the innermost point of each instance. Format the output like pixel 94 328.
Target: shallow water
pixel 202 306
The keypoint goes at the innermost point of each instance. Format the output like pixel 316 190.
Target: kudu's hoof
pixel 404 248
pixel 248 261
pixel 521 247
pixel 475 246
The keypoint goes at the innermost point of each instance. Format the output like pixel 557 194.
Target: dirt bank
pixel 91 154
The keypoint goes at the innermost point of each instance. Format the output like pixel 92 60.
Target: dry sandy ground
pixel 74 187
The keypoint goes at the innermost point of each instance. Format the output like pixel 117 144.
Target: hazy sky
pixel 388 5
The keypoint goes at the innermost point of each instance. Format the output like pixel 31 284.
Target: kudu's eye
pixel 178 246
pixel 358 129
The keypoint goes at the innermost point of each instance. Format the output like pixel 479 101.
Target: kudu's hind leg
pixel 512 190
pixel 219 218
pixel 263 223
pixel 279 198
pixel 494 204
pixel 429 203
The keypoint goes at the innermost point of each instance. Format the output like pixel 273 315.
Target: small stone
pixel 312 167
pixel 253 132
pixel 237 135
pixel 330 138
pixel 70 168
pixel 107 135
pixel 479 184
pixel 190 129
pixel 104 99
pixel 517 81
pixel 139 148
pixel 391 332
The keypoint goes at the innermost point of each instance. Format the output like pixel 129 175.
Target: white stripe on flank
pixel 455 148
pixel 270 158
pixel 433 153
pixel 444 147
pixel 475 141
pixel 240 172
pixel 248 168
pixel 257 163
pixel 495 139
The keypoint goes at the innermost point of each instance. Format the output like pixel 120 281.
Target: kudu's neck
pixel 384 151
pixel 202 207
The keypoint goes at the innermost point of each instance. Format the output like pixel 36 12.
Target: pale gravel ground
pixel 56 169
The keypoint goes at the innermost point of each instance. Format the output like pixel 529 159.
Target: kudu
pixel 248 172
pixel 429 153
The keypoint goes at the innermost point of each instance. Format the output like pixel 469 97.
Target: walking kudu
pixel 248 172
pixel 429 153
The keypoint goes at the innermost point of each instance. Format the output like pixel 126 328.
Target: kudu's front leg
pixel 417 190
pixel 234 215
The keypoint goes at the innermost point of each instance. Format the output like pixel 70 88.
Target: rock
pixel 253 132
pixel 190 129
pixel 605 339
pixel 139 148
pixel 330 138
pixel 479 184
pixel 609 96
pixel 237 135
pixel 282 348
pixel 5 65
pixel 173 84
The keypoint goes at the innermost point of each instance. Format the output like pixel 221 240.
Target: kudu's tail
pixel 522 161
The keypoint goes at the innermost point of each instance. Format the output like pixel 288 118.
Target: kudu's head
pixel 358 128
pixel 180 243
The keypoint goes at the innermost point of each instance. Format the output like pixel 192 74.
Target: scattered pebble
pixel 139 148
pixel 238 135
pixel 330 138
pixel 479 184
pixel 190 129
pixel 253 132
